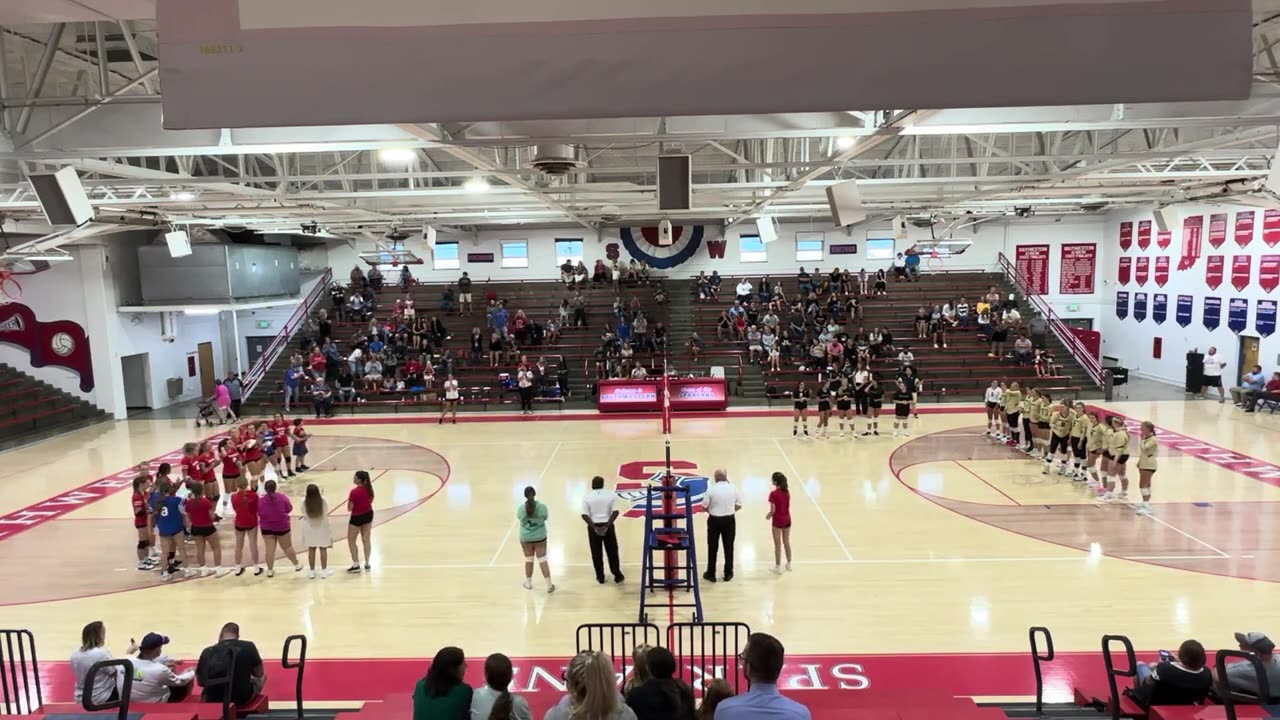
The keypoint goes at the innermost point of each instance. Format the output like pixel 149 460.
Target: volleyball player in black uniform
pixel 875 401
pixel 826 393
pixel 801 414
pixel 844 407
pixel 901 409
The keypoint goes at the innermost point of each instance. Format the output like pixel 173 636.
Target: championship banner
pixel 1032 262
pixel 1184 310
pixel 1212 313
pixel 1143 272
pixel 1162 270
pixel 1269 272
pixel 1244 227
pixel 60 343
pixel 1218 230
pixel 1078 265
pixel 1122 304
pixel 1271 227
pixel 1192 231
pixel 1144 234
pixel 1126 236
pixel 1238 315
pixel 1213 271
pixel 1125 271
pixel 1140 307
pixel 1265 321
pixel 1159 308
pixel 1241 269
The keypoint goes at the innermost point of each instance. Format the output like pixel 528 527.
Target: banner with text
pixel 1265 321
pixel 1214 268
pixel 1241 269
pixel 1079 263
pixel 1212 313
pixel 1192 231
pixel 1186 305
pixel 1238 315
pixel 1159 308
pixel 1125 272
pixel 1271 227
pixel 1143 271
pixel 1144 234
pixel 1122 304
pixel 1126 236
pixel 1162 270
pixel 1140 307
pixel 1218 230
pixel 1269 272
pixel 1032 262
pixel 1244 227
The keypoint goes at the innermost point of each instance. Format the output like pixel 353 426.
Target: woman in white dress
pixel 316 532
pixel 451 397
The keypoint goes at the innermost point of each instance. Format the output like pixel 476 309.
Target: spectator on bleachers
pixel 695 346
pixel 321 398
pixel 496 346
pixel 1241 677
pixel 448 300
pixel 443 694
pixel 419 339
pixel 984 326
pixel 640 333
pixel 355 307
pixel 357 277
pixel 332 359
pixel 900 267
pixel 406 277
pixel 922 323
pixel 835 354
pixel 93 640
pixel 615 275
pixel 762 663
pixel 939 328
pixel 638 372
pixel 293 376
pixel 714 692
pixel 580 275
pixel 464 293
pixel 1010 315
pixel 551 331
pixel 906 357
pixel 662 696
pixel 345 386
pixel 999 336
pixel 913 265
pixel 1181 681
pixel 804 281
pixel 520 327
pixel 579 310
pixel 355 361
pixel 566 273
pixel 724 326
pixel 659 337
pixel 1269 393
pixel 375 278
pixel 715 281
pixel 1251 382
pixel 600 273
pixel 660 295
pixel 495 700
pixel 496 316
pixel 1022 348
pixel 592 691
pixel 743 290
pixel 373 370
pixel 154 680
pixel 248 676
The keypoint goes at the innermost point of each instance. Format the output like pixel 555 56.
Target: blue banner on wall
pixel 1160 308
pixel 1237 314
pixel 1212 313
pixel 1122 304
pixel 1265 321
pixel 1140 307
pixel 1185 304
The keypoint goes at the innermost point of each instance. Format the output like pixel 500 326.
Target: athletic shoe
pixel 326 572
pixel 221 571
pixel 528 584
pixel 271 573
pixel 788 567
pixel 297 568
pixel 239 571
pixel 1143 508
pixel 145 566
pixel 311 574
pixel 895 433
pixel 551 588
pixel 1123 495
pixel 167 576
pixel 1044 470
pixel 876 433
pixel 776 570
pixel 257 571
pixel 905 433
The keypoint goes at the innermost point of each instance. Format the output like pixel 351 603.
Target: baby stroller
pixel 205 412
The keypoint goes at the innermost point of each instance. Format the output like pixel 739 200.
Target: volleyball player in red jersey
pixel 284 454
pixel 207 464
pixel 245 503
pixel 251 455
pixel 144 469
pixel 232 469
pixel 360 505
pixel 780 515
pixel 188 463
pixel 142 522
pixel 200 512
pixel 300 438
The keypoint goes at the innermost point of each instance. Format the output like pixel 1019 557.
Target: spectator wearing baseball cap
pixel 1241 677
pixel 154 680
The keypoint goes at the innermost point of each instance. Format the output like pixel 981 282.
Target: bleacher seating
pixel 32 410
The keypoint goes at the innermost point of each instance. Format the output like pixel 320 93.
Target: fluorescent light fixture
pixel 200 311
pixel 182 196
pixel 846 142
pixel 397 155
pixel 476 185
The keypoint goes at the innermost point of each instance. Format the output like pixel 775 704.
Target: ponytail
pixel 363 480
pixel 503 707
pixel 780 480
pixel 497 675
pixel 530 503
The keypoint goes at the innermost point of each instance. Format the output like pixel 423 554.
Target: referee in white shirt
pixel 599 514
pixel 722 503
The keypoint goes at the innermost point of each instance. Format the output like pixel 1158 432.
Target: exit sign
pixel 264 324
pixel 1073 308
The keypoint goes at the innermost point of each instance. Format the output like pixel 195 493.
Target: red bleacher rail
pixel 1059 328
pixel 281 341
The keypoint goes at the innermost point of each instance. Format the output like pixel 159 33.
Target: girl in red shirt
pixel 245 503
pixel 300 438
pixel 360 505
pixel 251 455
pixel 284 454
pixel 142 522
pixel 229 455
pixel 189 461
pixel 207 466
pixel 200 512
pixel 780 514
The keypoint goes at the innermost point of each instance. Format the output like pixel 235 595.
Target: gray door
pixel 257 344
pixel 136 370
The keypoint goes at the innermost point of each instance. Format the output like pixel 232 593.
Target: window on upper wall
pixel 751 249
pixel 515 254
pixel 880 249
pixel 570 250
pixel 809 246
pixel 444 256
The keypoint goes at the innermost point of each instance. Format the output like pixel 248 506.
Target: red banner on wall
pixel 1143 271
pixel 1213 271
pixel 1126 235
pixel 1241 269
pixel 1271 227
pixel 1164 239
pixel 1218 230
pixel 1144 234
pixel 1032 262
pixel 1162 270
pixel 1076 269
pixel 1269 272
pixel 1244 228
pixel 1126 270
pixel 1192 232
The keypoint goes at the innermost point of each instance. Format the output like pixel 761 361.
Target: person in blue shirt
pixel 376 345
pixel 291 392
pixel 1252 382
pixel 913 266
pixel 762 664
pixel 170 522
pixel 498 319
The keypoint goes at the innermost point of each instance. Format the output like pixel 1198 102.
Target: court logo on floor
pixel 635 478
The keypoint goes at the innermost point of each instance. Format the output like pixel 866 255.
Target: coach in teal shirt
pixel 762 664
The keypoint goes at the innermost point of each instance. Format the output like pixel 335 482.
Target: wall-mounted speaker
pixel 845 202
pixel 179 243
pixel 1167 219
pixel 675 182
pixel 62 197
pixel 767 229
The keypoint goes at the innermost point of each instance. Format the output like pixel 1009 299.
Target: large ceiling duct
pixel 556 159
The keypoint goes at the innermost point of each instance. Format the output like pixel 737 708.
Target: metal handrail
pixel 281 341
pixel 1037 658
pixel 1059 328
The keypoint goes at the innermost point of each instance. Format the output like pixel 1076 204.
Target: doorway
pixel 204 361
pixel 1078 323
pixel 1250 349
pixel 258 344
pixel 136 370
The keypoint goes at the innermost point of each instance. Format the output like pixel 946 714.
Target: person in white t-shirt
pixel 993 396
pixel 154 680
pixel 106 686
pixel 1213 367
pixel 723 502
pixel 451 397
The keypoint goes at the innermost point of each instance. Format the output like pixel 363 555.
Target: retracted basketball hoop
pixel 10 289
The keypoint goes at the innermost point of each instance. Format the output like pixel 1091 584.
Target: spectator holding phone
pixel 1180 680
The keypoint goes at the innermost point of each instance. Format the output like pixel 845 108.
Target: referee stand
pixel 670 559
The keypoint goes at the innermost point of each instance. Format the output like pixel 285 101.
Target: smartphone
pixel 1166 656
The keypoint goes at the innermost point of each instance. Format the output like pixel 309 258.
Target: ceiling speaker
pixel 845 202
pixel 429 235
pixel 1166 219
pixel 179 243
pixel 767 229
pixel 675 182
pixel 62 197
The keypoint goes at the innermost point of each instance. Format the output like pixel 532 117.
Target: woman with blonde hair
pixel 593 691
pixel 1148 447
pixel 639 668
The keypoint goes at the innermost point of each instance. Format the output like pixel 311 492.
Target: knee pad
pixel 528 558
pixel 542 558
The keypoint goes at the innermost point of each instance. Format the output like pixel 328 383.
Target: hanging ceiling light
pixel 476 185
pixel 182 196
pixel 397 155
pixel 845 142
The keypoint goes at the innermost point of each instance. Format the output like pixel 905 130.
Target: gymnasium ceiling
pixel 105 119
